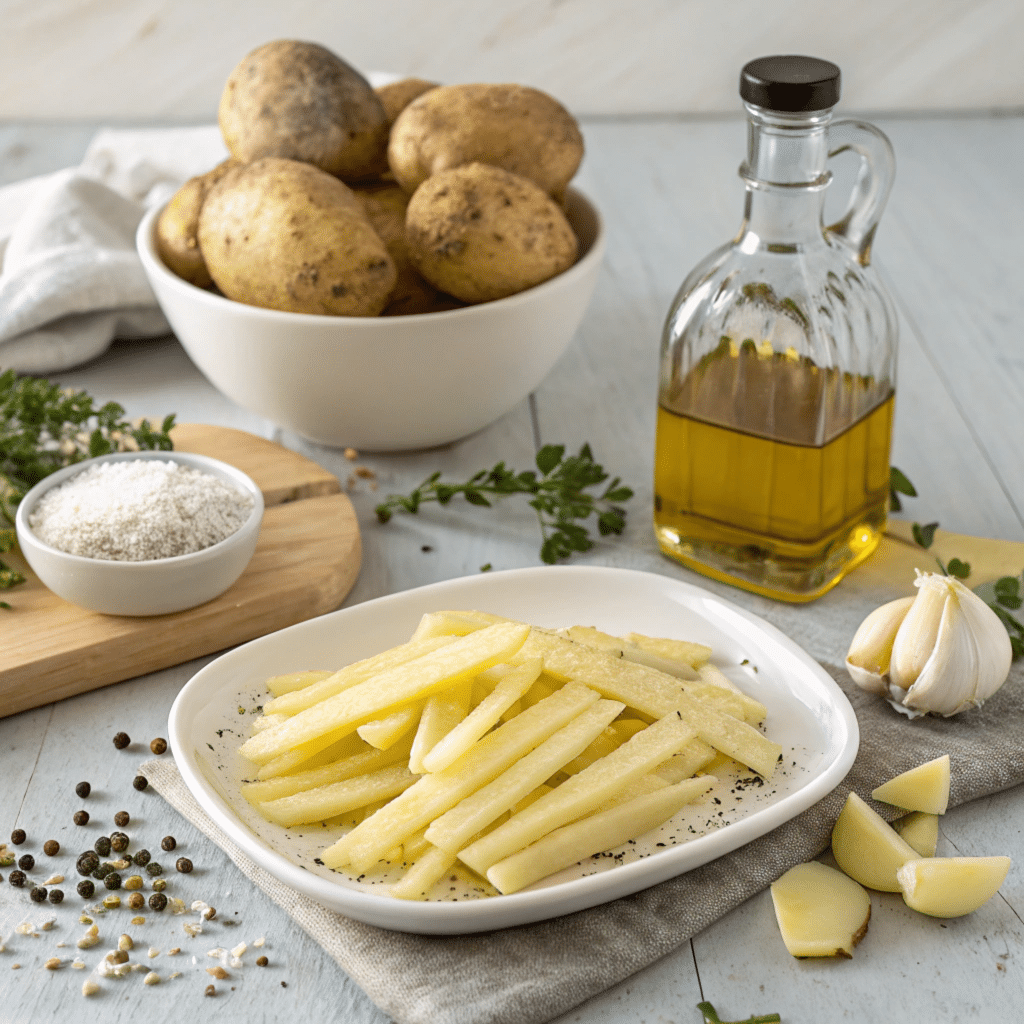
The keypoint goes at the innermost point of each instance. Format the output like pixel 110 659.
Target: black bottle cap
pixel 790 83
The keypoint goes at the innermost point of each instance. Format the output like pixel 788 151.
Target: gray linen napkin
pixel 533 973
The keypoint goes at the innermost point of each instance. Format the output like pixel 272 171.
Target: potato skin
pixel 514 127
pixel 284 235
pixel 176 228
pixel 481 233
pixel 300 101
pixel 396 96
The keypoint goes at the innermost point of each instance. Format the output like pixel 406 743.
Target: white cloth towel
pixel 71 280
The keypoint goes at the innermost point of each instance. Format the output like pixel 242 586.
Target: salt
pixel 139 510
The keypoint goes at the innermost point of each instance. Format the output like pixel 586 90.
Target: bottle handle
pixel 874 182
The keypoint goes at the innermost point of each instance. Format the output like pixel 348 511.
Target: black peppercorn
pixel 81 818
pixel 261 961
pixel 26 862
pixel 121 740
pixel 168 843
pixel 183 864
pixel 102 871
pixel 140 782
pixel 112 880
pixel 17 879
pixel 102 846
pixel 153 868
pixel 18 836
pixel 210 990
pixel 136 901
pixel 83 789
pixel 142 858
pixel 86 889
pixel 157 901
pixel 87 863
pixel 122 818
pixel 118 842
pixel 159 745
pixel 56 896
pixel 51 847
pixel 38 894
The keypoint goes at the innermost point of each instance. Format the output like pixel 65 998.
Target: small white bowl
pixel 155 587
pixel 389 383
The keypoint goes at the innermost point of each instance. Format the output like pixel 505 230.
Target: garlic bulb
pixel 942 651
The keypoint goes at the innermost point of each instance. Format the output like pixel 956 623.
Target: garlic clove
pixel 867 661
pixel 993 642
pixel 918 634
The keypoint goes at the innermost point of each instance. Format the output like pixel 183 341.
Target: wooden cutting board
pixel 306 561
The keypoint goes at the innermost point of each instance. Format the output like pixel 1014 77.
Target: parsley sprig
pixel 560 497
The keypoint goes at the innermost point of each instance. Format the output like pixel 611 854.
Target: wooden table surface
pixel 949 247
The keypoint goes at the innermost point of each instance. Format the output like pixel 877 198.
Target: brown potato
pixel 177 225
pixel 299 101
pixel 514 127
pixel 481 233
pixel 285 235
pixel 396 96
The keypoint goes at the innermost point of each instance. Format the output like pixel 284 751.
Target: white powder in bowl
pixel 138 510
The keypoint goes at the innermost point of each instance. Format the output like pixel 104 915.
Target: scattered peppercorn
pixel 86 889
pixel 112 880
pixel 159 745
pixel 18 836
pixel 83 789
pixel 121 740
pixel 210 990
pixel 142 858
pixel 133 882
pixel 17 879
pixel 153 868
pixel 102 846
pixel 262 961
pixel 38 894
pixel 51 847
pixel 26 862
pixel 56 895
pixel 136 901
pixel 158 901
pixel 81 817
pixel 102 870
pixel 168 843
pixel 183 864
pixel 122 818
pixel 118 842
pixel 87 863
pixel 159 884
pixel 140 782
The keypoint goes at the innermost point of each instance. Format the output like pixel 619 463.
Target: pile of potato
pixel 343 199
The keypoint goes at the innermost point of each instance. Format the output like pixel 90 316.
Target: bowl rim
pixel 28 538
pixel 145 243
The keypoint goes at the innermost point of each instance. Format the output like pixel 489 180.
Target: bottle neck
pixel 786 176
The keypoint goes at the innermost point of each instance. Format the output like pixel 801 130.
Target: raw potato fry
pixel 434 794
pixel 434 624
pixel 441 714
pixel 338 797
pixel 291 681
pixel 424 874
pixel 267 722
pixel 694 757
pixel 611 739
pixel 689 653
pixel 386 732
pixel 483 716
pixel 336 682
pixel 331 719
pixel 581 793
pixel 622 648
pixel 594 834
pixel 455 828
pixel 300 760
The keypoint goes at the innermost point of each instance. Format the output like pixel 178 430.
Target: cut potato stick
pixel 329 720
pixel 544 687
pixel 291 681
pixel 267 722
pixel 685 651
pixel 454 829
pixel 338 797
pixel 599 832
pixel 349 767
pixel 436 793
pixel 754 711
pixel 425 873
pixel 386 732
pixel 441 714
pixel 485 715
pixel 582 793
pixel 350 675
pixel 696 755
pixel 300 760
pixel 434 624
pixel 622 648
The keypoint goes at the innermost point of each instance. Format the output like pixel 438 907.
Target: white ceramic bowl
pixel 143 588
pixel 382 383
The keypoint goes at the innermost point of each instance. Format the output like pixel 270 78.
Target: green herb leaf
pixel 486 567
pixel 899 484
pixel 961 570
pixel 711 1017
pixel 924 535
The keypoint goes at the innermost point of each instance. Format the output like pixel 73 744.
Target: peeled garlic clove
pixel 871 648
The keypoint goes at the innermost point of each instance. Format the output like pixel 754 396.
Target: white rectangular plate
pixel 808 715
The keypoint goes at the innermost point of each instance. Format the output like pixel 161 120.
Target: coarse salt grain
pixel 139 510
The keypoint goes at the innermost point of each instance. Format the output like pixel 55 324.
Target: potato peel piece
pixel 924 788
pixel 868 849
pixel 821 911
pixel 951 886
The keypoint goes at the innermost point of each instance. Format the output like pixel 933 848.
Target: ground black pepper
pixel 86 889
pixel 81 818
pixel 26 862
pixel 83 789
pixel 51 847
pixel 168 843
pixel 18 836
pixel 121 740
pixel 140 782
pixel 183 864
pixel 159 745
pixel 122 818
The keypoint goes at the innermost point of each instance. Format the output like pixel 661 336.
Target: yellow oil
pixel 779 517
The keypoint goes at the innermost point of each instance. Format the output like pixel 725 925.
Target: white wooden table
pixel 949 246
